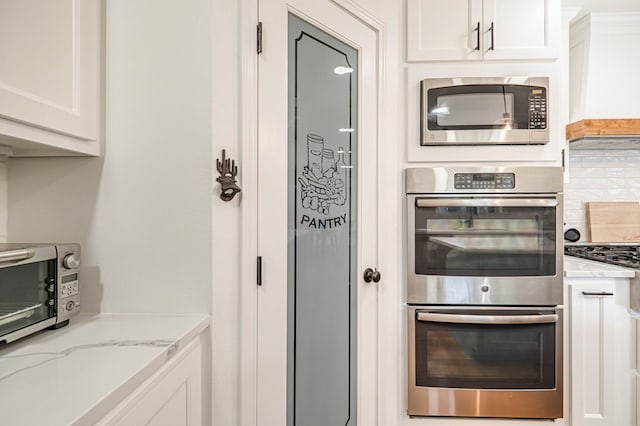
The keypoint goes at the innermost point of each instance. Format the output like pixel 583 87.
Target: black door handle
pixel 371 275
pixel 492 47
pixel 477 30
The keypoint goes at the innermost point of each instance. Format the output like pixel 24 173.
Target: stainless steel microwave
pixel 39 288
pixel 481 111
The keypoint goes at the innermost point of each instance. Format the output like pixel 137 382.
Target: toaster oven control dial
pixel 71 261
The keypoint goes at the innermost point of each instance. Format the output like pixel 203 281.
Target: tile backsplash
pixel 599 175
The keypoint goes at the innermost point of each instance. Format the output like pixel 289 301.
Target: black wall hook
pixel 227 179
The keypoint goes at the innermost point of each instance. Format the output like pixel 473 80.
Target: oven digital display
pixel 69 278
pixel 484 176
pixel 484 181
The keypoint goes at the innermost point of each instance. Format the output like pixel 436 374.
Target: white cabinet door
pixel 172 397
pixel 521 29
pixel 444 30
pixel 49 75
pixel 602 353
pixel 482 29
pixel 592 341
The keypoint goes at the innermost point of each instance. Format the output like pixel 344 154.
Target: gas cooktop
pixel 615 254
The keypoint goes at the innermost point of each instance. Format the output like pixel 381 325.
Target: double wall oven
pixel 484 292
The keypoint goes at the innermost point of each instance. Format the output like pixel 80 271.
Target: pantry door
pixel 317 321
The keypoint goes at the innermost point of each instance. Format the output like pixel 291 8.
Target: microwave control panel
pixel 484 181
pixel 537 108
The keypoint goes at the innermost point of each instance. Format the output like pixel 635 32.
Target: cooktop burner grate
pixel 615 254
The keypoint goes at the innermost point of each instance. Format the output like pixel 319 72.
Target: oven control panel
pixel 484 181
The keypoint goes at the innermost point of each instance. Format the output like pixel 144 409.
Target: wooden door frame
pixel 386 163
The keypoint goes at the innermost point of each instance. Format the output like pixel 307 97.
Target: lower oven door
pixel 485 362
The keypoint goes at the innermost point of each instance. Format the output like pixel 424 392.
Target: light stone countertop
pixel 76 374
pixel 581 268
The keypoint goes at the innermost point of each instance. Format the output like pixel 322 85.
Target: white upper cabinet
pixel 50 76
pixel 444 30
pixel 455 30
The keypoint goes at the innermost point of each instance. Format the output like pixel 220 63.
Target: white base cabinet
pixel 602 353
pixel 171 397
pixel 50 77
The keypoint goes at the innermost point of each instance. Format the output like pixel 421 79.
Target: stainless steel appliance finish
pixel 39 287
pixel 487 236
pixel 477 111
pixel 501 362
pixel 484 292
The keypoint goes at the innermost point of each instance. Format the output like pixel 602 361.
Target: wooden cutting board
pixel 614 221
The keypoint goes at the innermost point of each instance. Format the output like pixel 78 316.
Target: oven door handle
pixel 15 256
pixel 486 202
pixel 487 319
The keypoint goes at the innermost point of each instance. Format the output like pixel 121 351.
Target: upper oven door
pixel 485 237
pixel 476 111
pixel 485 249
pixel 27 289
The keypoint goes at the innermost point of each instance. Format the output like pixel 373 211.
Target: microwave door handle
pixel 15 256
pixel 487 319
pixel 487 202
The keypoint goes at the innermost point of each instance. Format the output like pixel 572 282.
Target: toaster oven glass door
pixel 27 295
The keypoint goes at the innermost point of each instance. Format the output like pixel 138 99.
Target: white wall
pixel 143 212
pixel 227 130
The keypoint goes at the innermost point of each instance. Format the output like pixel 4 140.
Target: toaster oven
pixel 39 288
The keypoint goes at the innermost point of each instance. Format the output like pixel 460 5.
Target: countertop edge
pixel 94 413
pixel 582 268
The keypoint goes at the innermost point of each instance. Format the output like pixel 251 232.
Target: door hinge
pixel 259 38
pixel 259 271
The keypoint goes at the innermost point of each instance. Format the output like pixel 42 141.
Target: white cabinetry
pixel 172 397
pixel 50 76
pixel 601 353
pixel 604 66
pixel 439 30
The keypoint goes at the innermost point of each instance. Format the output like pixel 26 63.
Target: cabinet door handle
pixel 597 293
pixel 491 29
pixel 477 31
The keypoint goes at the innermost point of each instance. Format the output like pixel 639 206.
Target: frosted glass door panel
pixel 323 75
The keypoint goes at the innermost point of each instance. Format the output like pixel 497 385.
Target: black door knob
pixel 371 275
